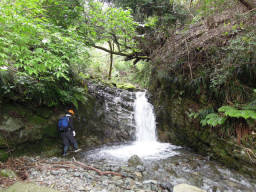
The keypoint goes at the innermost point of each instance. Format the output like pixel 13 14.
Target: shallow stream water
pixel 163 162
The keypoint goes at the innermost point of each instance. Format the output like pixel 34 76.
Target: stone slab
pixel 186 188
pixel 28 187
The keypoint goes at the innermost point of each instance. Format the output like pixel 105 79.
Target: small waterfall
pixel 144 119
pixel 146 145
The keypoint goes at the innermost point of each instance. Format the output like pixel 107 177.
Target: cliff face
pixel 107 117
pixel 199 69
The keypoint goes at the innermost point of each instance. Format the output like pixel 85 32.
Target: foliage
pixel 225 112
pixel 36 53
pixel 237 113
pixel 167 12
pixel 213 119
pixel 104 24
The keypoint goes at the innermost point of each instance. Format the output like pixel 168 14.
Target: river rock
pixel 134 161
pixel 28 187
pixel 167 186
pixel 186 188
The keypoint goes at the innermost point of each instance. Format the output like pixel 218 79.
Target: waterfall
pixel 144 119
pixel 146 145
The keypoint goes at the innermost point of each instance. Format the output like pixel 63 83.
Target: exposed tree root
pixel 21 165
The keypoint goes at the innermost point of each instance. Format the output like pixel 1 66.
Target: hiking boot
pixel 64 154
pixel 77 150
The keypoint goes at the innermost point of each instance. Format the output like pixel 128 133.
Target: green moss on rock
pixel 126 86
pixel 3 155
pixel 50 131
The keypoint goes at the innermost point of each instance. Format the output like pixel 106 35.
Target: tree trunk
pixel 111 47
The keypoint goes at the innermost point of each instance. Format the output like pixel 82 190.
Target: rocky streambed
pixel 137 175
pixel 182 172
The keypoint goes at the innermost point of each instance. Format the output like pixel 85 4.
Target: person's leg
pixel 72 140
pixel 65 142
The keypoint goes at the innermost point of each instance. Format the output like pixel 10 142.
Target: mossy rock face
pixel 172 109
pixel 3 142
pixel 50 131
pixel 3 155
pixel 28 187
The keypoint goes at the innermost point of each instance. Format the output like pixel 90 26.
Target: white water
pixel 146 145
pixel 144 119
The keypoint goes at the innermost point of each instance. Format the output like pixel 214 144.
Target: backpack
pixel 63 123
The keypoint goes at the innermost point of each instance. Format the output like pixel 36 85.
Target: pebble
pixel 136 177
pixel 79 180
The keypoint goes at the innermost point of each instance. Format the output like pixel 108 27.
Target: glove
pixel 74 133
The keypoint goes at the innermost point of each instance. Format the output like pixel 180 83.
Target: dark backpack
pixel 63 123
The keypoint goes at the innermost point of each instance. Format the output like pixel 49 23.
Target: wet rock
pixel 134 161
pixel 186 188
pixel 167 186
pixel 140 168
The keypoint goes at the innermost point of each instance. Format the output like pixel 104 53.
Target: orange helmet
pixel 71 111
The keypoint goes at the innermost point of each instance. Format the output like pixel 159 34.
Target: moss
pixel 45 147
pixel 7 173
pixel 126 86
pixel 34 119
pixel 50 131
pixel 3 155
pixel 44 112
pixel 3 142
pixel 17 110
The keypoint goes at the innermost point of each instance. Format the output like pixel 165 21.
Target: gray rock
pixel 140 168
pixel 77 174
pixel 150 181
pixel 11 125
pixel 186 188
pixel 167 186
pixel 134 161
pixel 55 172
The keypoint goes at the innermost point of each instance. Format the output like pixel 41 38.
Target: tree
pixel 103 24
pixel 37 54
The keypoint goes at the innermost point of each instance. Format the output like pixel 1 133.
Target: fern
pixel 236 113
pixel 213 119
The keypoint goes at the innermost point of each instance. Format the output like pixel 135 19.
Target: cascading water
pixel 146 145
pixel 144 119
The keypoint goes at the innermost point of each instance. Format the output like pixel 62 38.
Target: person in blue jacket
pixel 68 134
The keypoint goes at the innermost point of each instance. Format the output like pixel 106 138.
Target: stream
pixel 163 162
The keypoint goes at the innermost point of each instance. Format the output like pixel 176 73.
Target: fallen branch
pixel 96 170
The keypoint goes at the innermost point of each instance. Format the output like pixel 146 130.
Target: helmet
pixel 71 111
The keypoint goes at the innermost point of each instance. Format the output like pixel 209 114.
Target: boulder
pixel 28 187
pixel 186 188
pixel 134 161
pixel 11 124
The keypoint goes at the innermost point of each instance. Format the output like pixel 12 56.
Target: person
pixel 68 133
